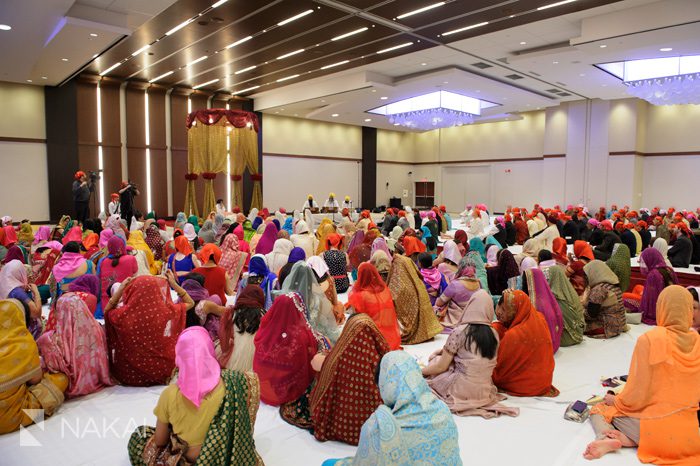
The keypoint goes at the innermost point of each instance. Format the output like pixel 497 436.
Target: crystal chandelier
pixel 671 90
pixel 441 109
pixel 431 119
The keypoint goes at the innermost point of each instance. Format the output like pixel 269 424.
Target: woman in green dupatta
pixel 215 409
pixel 619 263
pixel 475 256
pixel 569 303
pixel 248 231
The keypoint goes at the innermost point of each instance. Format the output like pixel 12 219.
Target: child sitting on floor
pixel 434 280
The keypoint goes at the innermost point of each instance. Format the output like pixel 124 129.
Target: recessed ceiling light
pixel 206 83
pixel 552 5
pixel 383 98
pixel 64 59
pixel 665 49
pixel 374 90
pixel 94 56
pixel 202 58
pixel 465 28
pixel 555 62
pixel 239 42
pixel 5 27
pixel 335 115
pixel 420 10
pixel 367 120
pixel 296 114
pixel 423 64
pixel 281 57
pixel 288 78
pixel 161 76
pixel 603 46
pixel 219 3
pixel 295 17
pixel 29 80
pixel 397 124
pixel 245 90
pixel 44 77
pixel 348 34
pixel 92 34
pixel 245 69
pixel 523 43
pixel 582 75
pixel 110 68
pixel 446 82
pixel 396 47
pixel 335 64
pixel 145 47
pixel 179 26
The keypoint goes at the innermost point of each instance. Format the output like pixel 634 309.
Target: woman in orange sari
pixel 371 296
pixel 656 409
pixel 525 355
pixel 346 394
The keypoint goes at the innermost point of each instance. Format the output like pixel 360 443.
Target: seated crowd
pixel 231 310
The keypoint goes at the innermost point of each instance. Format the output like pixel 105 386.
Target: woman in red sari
pixel 285 346
pixel 346 394
pixel 143 330
pixel 371 296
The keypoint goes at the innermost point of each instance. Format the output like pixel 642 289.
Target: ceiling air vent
pixel 564 94
pixel 514 77
pixel 481 65
pixel 553 91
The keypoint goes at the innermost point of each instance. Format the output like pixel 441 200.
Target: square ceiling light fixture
pixel 441 109
pixel 660 81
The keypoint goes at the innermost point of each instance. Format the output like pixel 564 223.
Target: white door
pixel 465 185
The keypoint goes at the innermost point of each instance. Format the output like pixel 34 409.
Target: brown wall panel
pixel 109 95
pixel 156 113
pixel 137 175
pixel 112 175
pixel 179 182
pixel 87 112
pixel 159 182
pixel 135 120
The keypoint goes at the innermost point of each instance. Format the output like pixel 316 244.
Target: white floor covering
pixel 94 430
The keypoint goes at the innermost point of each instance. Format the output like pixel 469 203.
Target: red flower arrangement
pixel 191 176
pixel 208 175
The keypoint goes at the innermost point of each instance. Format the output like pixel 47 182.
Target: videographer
pixel 126 198
pixel 81 195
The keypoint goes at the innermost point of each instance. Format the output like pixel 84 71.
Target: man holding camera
pixel 126 199
pixel 81 195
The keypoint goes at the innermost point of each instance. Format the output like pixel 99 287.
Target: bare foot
pixel 617 435
pixel 598 448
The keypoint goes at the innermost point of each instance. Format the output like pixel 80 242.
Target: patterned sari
pixel 413 309
pixel 77 347
pixel 346 394
pixel 232 258
pixel 229 439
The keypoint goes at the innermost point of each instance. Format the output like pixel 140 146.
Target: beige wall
pixel 672 128
pixel 296 136
pixel 24 180
pixel 395 145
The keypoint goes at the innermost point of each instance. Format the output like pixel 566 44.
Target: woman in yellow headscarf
pixel 325 229
pixel 26 234
pixel 22 384
pixel 137 242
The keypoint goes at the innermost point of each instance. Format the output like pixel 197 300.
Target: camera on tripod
pixel 93 176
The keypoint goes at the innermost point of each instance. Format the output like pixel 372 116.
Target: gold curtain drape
pixel 237 168
pixel 244 152
pixel 206 155
pixel 191 200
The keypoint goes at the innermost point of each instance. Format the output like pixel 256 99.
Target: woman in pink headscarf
pixel 77 347
pixel 542 299
pixel 233 259
pixel 75 234
pixel 116 267
pixel 267 240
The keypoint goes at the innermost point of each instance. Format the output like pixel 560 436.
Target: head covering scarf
pixel 141 334
pixel 267 241
pixel 300 280
pixel 473 261
pixel 288 225
pixel 413 308
pixel 583 249
pixel 26 234
pixel 296 255
pixel 87 283
pixel 525 355
pixel 505 269
pixel 15 252
pixel 450 251
pixel 598 272
pixel 653 266
pixel 195 290
pixel 189 232
pixel 476 245
pixel 379 244
pixel 258 267
pixel 544 301
pixel 381 261
pixel 154 240
pixel 346 393
pixel 183 245
pixel 77 345
pixel 91 241
pixel 412 427
pixel 12 275
pixel 619 263
pixel 20 359
pixel 199 372
pixel 248 230
pixel 257 221
pixel 284 347
pixel 68 263
pixel 208 251
pixel 232 259
pixel 194 221
pixel 570 305
pixel 661 389
pixel 323 232
pixel 559 250
pixel 137 242
pixel 371 296
pixel 207 233
pixel 661 245
pixel 180 220
pixel 318 265
pixel 42 234
pixel 74 234
pixel 105 236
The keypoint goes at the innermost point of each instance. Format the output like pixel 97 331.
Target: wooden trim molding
pixel 554 156
pixel 456 162
pixel 320 157
pixel 29 140
pixel 396 162
pixel 626 152
pixel 655 154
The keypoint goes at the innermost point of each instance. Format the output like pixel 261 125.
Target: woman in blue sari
pixel 411 427
pixel 259 274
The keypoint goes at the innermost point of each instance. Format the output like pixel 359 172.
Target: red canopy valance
pixel 237 118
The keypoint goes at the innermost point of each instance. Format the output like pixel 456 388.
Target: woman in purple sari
pixel 541 296
pixel 267 240
pixel 658 277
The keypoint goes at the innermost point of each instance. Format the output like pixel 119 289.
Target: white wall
pixel 671 181
pixel 24 179
pixel 282 135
